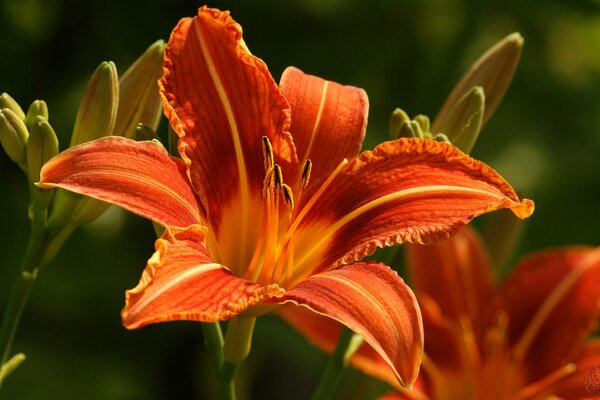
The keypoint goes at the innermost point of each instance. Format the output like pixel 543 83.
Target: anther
pixel 288 196
pixel 306 173
pixel 267 153
pixel 277 176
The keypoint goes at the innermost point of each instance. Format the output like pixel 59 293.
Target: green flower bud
pixel 37 108
pixel 398 118
pixel 98 107
pixel 41 147
pixel 440 137
pixel 423 121
pixel 493 71
pixel 465 120
pixel 87 210
pixel 8 102
pixel 14 136
pixel 139 100
pixel 144 132
pixel 411 129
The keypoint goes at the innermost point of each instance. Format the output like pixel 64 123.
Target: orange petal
pixel 455 273
pixel 584 382
pixel 553 302
pixel 324 332
pixel 408 190
pixel 221 100
pixel 138 176
pixel 373 301
pixel 181 282
pixel 328 120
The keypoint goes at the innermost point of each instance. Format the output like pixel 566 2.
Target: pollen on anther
pixel 306 173
pixel 267 153
pixel 288 195
pixel 277 176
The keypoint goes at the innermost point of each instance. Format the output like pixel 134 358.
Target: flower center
pixel 273 257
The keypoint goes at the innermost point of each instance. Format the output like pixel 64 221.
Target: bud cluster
pixel 129 107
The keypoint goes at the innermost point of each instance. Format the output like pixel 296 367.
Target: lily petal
pixel 328 120
pixel 324 333
pixel 373 301
pixel 221 100
pixel 553 302
pixel 584 382
pixel 138 176
pixel 181 282
pixel 408 190
pixel 455 274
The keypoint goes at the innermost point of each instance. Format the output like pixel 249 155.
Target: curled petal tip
pixel 524 209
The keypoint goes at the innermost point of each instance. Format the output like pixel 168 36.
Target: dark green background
pixel 544 139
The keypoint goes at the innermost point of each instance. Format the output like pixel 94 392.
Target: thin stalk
pixel 20 294
pixel 347 344
pixel 213 339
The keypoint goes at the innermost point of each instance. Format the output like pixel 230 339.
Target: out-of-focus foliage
pixel 544 139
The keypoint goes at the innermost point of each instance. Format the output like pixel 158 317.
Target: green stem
pixel 213 339
pixel 20 293
pixel 347 344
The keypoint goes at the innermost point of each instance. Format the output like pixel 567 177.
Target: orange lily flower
pixel 521 340
pixel 525 339
pixel 271 203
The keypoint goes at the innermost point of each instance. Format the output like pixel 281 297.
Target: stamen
pixel 288 196
pixel 267 153
pixel 306 170
pixel 277 177
pixel 267 182
pixel 537 388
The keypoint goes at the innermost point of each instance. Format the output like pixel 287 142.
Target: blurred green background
pixel 544 139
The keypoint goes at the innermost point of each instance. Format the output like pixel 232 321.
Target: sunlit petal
pixel 328 120
pixel 374 302
pixel 138 176
pixel 181 282
pixel 221 100
pixel 324 332
pixel 407 190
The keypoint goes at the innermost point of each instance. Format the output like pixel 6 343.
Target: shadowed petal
pixel 138 176
pixel 181 282
pixel 374 302
pixel 553 302
pixel 221 100
pixel 584 382
pixel 408 190
pixel 328 120
pixel 455 273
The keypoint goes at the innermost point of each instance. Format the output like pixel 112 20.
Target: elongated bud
pixel 423 121
pixel 98 107
pixel 14 136
pixel 139 100
pixel 493 71
pixel 464 121
pixel 41 147
pixel 398 118
pixel 144 132
pixel 38 108
pixel 8 102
